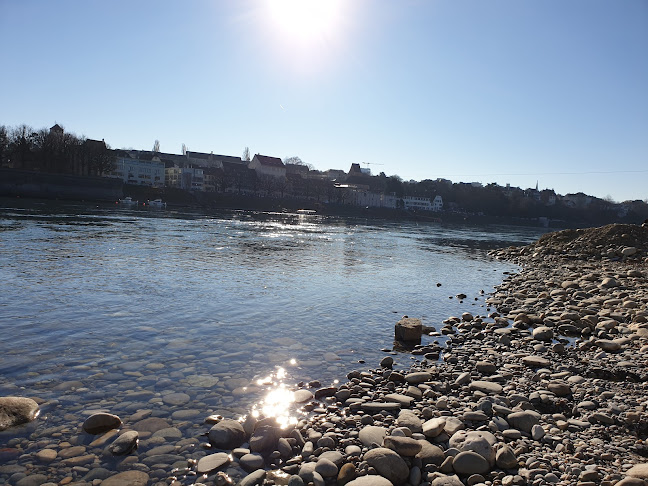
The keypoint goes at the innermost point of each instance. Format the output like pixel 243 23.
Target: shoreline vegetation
pixel 550 387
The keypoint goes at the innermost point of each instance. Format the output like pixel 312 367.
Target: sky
pixel 547 92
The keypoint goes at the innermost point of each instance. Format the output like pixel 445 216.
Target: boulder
pixel 468 462
pixel 388 464
pixel 408 329
pixel 226 434
pixel 523 421
pixel 98 423
pixel 16 411
pixel 480 442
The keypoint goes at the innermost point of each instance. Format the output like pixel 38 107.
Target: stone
pixel 212 462
pixel 32 480
pixel 536 362
pixel 638 471
pixel 487 387
pixel 302 396
pixel 376 407
pixel 371 480
pixel 176 399
pixel 335 457
pixel 505 458
pixel 16 411
pixel 151 424
pixel 388 464
pixel 608 345
pixel 372 434
pixel 543 333
pixel 469 462
pixel 46 455
pixel 430 454
pixel 254 478
pixel 127 478
pixel 480 442
pixel 387 362
pixel 404 446
pixel 251 462
pixel 265 439
pixel 326 468
pixel 347 473
pixel 433 427
pixel 418 377
pixel 408 329
pixel 559 388
pixel 523 421
pixel 486 367
pixel 125 443
pixel 447 481
pixel 226 434
pixel 407 418
pixel 403 400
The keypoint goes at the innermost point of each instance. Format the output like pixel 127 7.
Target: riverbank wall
pixel 30 184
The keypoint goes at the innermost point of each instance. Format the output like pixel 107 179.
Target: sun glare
pixel 304 20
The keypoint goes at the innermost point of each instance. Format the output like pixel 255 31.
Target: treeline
pixel 53 150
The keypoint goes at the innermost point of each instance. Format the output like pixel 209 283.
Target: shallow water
pixel 102 303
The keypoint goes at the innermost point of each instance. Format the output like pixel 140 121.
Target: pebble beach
pixel 547 386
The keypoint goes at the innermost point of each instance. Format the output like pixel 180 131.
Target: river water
pixel 185 313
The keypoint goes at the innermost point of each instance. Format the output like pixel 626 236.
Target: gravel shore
pixel 549 387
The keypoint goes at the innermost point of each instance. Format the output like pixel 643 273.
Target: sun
pixel 304 20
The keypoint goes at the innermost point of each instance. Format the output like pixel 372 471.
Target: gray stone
pixel 326 468
pixel 251 462
pixel 505 458
pixel 447 481
pixel 372 434
pixel 125 443
pixel 408 329
pixel 302 396
pixel 469 462
pixel 16 411
pixel 480 442
pixel 371 480
pixel 418 377
pixel 523 421
pixel 253 478
pixel 226 434
pixel 430 454
pixel 433 427
pixel 543 333
pixel 404 446
pixel 536 362
pixel 638 471
pixel 487 387
pixel 407 418
pixel 402 400
pixel 388 464
pixel 265 439
pixel 212 462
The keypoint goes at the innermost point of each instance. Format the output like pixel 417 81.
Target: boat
pixel 156 204
pixel 128 201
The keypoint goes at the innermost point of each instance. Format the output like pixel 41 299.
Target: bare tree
pixel 156 147
pixel 246 154
pixel 297 161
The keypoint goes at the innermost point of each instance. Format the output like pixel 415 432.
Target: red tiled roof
pixel 272 161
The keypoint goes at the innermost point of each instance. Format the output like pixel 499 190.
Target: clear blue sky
pixel 554 91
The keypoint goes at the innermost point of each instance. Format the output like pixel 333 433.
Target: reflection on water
pixel 278 402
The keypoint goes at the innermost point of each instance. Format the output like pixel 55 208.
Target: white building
pixel 437 204
pixel 417 203
pixel 142 171
pixel 268 166
pixel 187 178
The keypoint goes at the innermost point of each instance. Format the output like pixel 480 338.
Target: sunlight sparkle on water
pixel 278 401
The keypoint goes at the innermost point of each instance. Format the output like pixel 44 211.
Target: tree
pixel 297 161
pixel 156 147
pixel 4 145
pixel 246 155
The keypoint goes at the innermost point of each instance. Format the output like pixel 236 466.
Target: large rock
pixel 480 442
pixel 638 471
pixel 265 439
pixel 254 478
pixel 430 454
pixel 212 462
pixel 505 458
pixel 523 421
pixel 372 480
pixel 486 387
pixel 125 443
pixel 447 481
pixel 226 434
pixel 16 411
pixel 372 434
pixel 408 329
pixel 388 464
pixel 98 423
pixel 404 446
pixel 433 427
pixel 468 462
pixel 543 333
pixel 409 419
